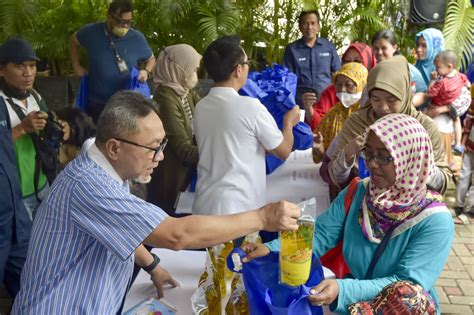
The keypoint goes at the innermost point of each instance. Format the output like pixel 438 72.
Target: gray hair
pixel 448 57
pixel 120 114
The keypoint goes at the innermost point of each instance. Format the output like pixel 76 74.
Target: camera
pixel 53 131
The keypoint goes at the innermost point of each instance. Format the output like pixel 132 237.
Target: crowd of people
pixel 71 231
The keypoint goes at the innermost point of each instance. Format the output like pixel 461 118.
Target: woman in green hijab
pixel 389 89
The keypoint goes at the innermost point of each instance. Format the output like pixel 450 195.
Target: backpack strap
pixel 379 251
pixel 351 191
pixel 39 101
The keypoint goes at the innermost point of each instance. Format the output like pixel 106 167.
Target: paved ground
pixel 456 285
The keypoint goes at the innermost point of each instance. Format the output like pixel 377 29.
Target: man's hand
pixel 280 216
pixel 34 121
pixel 254 250
pixel 292 117
pixel 160 276
pixel 324 293
pixel 143 76
pixel 309 99
pixel 66 129
pixel 353 148
pixel 79 70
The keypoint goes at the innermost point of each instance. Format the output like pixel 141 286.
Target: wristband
pixel 150 267
pixel 148 71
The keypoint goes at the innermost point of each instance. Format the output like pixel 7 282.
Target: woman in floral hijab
pixel 393 206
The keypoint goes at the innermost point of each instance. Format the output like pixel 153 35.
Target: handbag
pixel 334 259
pixel 266 295
pixel 83 94
pixel 138 86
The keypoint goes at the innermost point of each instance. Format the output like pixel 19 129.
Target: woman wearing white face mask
pixel 175 76
pixel 349 83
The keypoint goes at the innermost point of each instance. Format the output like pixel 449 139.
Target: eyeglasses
pixel 248 62
pixel 123 22
pixel 157 150
pixel 379 159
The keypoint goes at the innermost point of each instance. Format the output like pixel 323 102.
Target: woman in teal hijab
pixel 429 43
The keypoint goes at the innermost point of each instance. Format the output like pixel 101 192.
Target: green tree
pixel 458 30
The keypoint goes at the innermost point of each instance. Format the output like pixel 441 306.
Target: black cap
pixel 16 50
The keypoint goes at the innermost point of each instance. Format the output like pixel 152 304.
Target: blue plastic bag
pixel 82 96
pixel 136 85
pixel 363 170
pixel 266 295
pixel 276 89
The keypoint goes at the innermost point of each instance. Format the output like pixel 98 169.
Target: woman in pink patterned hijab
pixel 400 156
pixel 396 233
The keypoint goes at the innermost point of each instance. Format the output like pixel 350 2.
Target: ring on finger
pixel 319 304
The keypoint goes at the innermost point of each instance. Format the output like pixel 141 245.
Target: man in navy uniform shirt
pixel 313 59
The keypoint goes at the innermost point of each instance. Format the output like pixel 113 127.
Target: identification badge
pixel 122 65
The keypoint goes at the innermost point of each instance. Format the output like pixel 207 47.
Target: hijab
pixel 334 119
pixel 365 52
pixel 392 76
pixel 434 45
pixel 174 67
pixel 410 147
pixel 356 72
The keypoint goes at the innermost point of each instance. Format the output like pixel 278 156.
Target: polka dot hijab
pixel 410 147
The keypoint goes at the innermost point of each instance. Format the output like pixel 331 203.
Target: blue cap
pixel 16 50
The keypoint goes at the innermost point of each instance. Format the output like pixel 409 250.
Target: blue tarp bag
pixel 136 85
pixel 266 295
pixel 276 89
pixel 82 96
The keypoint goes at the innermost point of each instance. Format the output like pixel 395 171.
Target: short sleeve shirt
pixel 313 65
pixel 80 257
pixel 232 133
pixel 24 148
pixel 104 76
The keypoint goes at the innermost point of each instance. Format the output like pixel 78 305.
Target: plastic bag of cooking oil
pixel 218 255
pixel 206 300
pixel 237 304
pixel 296 247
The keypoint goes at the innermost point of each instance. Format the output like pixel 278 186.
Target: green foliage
pixel 458 30
pixel 265 26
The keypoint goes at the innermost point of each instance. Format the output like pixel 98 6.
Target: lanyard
pixel 117 55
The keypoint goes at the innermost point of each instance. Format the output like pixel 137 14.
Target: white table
pixel 186 266
pixel 296 180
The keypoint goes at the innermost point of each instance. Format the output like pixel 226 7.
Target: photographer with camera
pixel 36 132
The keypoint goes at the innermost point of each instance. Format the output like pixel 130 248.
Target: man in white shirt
pixel 233 133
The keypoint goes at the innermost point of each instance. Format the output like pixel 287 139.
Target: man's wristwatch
pixel 150 267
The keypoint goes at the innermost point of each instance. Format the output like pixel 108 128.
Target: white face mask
pixel 348 99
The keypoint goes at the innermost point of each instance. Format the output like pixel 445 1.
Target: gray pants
pixel 464 182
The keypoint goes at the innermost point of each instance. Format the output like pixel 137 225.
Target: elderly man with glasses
pixel 90 228
pixel 113 48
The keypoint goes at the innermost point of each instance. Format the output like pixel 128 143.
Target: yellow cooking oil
pixel 295 253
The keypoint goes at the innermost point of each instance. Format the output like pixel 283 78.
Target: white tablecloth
pixel 296 180
pixel 186 266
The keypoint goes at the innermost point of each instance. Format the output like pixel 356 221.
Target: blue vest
pixel 12 209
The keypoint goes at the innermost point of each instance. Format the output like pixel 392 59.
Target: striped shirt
pixel 80 257
pixel 447 89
